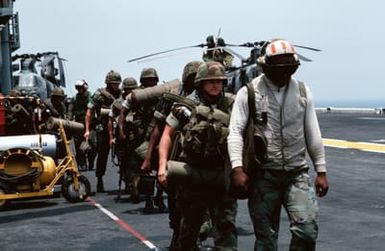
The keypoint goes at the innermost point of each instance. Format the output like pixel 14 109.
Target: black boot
pixel 174 244
pixel 158 202
pixel 149 207
pixel 100 186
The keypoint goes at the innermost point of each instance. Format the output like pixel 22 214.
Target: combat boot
pixel 174 244
pixel 100 186
pixel 158 202
pixel 135 198
pixel 149 206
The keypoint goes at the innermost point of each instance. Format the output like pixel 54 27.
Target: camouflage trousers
pixel 293 191
pixel 194 204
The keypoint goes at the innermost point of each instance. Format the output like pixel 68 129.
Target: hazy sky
pixel 96 36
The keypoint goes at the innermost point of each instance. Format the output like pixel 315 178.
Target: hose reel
pixel 26 169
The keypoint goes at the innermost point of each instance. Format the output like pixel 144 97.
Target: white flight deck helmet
pixel 275 48
pixel 81 83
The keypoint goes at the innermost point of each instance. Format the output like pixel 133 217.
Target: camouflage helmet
pixel 189 69
pixel 129 83
pixel 57 91
pixel 210 70
pixel 113 77
pixel 14 93
pixel 149 73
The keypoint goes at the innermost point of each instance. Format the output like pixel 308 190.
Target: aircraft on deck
pixel 215 48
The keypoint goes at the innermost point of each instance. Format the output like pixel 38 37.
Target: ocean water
pixel 351 103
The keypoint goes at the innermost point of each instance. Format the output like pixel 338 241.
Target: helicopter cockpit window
pixel 31 85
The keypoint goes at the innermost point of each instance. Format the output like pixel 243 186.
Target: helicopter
pixel 37 74
pixel 217 49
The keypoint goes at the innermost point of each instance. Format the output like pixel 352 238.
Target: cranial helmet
pixel 129 83
pixel 189 69
pixel 276 48
pixel 81 83
pixel 113 77
pixel 210 70
pixel 57 91
pixel 149 73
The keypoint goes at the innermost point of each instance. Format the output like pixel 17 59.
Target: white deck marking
pixel 124 225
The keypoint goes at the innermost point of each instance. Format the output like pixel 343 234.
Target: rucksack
pixel 204 142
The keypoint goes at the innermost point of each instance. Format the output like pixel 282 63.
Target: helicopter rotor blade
pixel 260 43
pixel 219 32
pixel 248 44
pixel 61 70
pixel 303 58
pixel 166 51
pixel 232 52
pixel 306 47
pixel 162 57
pixel 235 45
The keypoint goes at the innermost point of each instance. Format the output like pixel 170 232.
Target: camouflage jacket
pixel 204 140
pixel 102 98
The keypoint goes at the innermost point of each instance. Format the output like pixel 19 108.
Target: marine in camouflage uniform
pixel 163 108
pixel 77 112
pixel 216 52
pixel 102 99
pixel 134 122
pixel 204 149
pixel 291 130
pixel 129 84
pixel 54 106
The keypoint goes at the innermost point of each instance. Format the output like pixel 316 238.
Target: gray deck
pixel 352 215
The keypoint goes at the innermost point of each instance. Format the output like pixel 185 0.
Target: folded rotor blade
pixel 303 58
pixel 306 47
pixel 166 51
pixel 233 53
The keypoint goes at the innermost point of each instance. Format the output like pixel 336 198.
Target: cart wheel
pixel 69 192
pixel 3 190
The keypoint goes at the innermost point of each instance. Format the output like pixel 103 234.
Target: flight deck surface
pixel 352 215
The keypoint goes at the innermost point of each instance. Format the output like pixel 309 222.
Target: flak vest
pixel 284 130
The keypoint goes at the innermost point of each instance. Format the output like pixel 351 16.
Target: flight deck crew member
pixel 291 129
pixel 102 98
pixel 204 149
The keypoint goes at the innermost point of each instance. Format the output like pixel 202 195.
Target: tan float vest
pixel 284 131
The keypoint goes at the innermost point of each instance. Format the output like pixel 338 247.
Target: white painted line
pixel 124 225
pixel 105 211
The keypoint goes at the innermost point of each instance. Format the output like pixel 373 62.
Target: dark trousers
pixel 174 211
pixel 80 155
pixel 103 149
pixel 194 205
